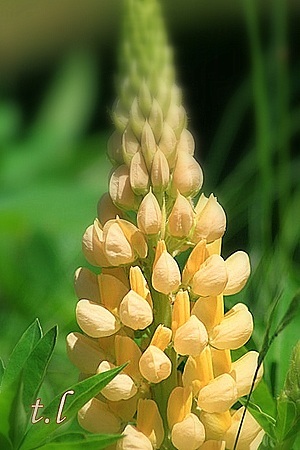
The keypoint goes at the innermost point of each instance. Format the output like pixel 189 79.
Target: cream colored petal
pixel 128 351
pixel 84 352
pixel 138 175
pixel 95 320
pixel 221 361
pixel 139 284
pixel 112 291
pixel 154 365
pixel 211 278
pixel 96 417
pixel 135 312
pixel 86 285
pixel 135 237
pixel 198 371
pixel 186 142
pixel 160 172
pixel 195 259
pixel 181 219
pixel 161 337
pixel 125 409
pixel 249 431
pixel 106 209
pixel 166 274
pixel 219 395
pixel 243 371
pixel 257 440
pixel 181 310
pixel 167 143
pixel 213 445
pixel 133 440
pixel 93 246
pixel 149 215
pixel 149 421
pixel 191 338
pixel 238 269
pixel 117 248
pixel 210 220
pixel 130 145
pixel 187 175
pixel 156 119
pixel 179 404
pixel 210 310
pixel 215 424
pixel 120 189
pixel 114 149
pixel 121 387
pixel 148 145
pixel 234 330
pixel 188 434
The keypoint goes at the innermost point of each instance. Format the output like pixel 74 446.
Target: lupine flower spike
pixel 180 385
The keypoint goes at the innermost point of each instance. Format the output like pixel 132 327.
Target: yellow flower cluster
pixel 180 384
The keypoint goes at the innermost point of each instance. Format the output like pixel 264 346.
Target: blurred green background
pixel 238 63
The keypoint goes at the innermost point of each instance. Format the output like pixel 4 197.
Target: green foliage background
pixel 56 88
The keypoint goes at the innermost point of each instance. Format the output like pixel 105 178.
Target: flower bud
pixel 249 431
pixel 149 422
pixel 133 440
pixel 215 424
pixel 121 387
pixel 166 274
pixel 124 409
pixel 93 245
pixel 128 351
pixel 179 405
pixel 211 278
pixel 120 189
pixel 188 434
pixel 145 99
pixel 138 282
pixel 181 310
pixel 114 149
pixel 181 219
pixel 242 371
pixel 135 312
pixel 160 172
pixel 191 338
pixel 148 145
pixel 156 119
pixel 154 365
pixel 198 371
pixel 238 269
pixel 189 184
pixel 234 330
pixel 149 215
pixel 84 353
pixel 136 118
pixel 95 320
pixel 86 285
pixel 96 417
pixel 210 310
pixel 139 177
pixel 119 117
pixel 167 144
pixel 210 219
pixel 161 337
pixel 176 118
pixel 130 145
pixel 106 209
pixel 112 291
pixel 219 395
pixel 186 142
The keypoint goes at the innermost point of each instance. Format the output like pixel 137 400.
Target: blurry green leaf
pixel 83 392
pixel 4 443
pixel 290 314
pixel 263 398
pixel 286 416
pixel 21 352
pixel 31 379
pixel 266 421
pixel 80 441
pixel 1 370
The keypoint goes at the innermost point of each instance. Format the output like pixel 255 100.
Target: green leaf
pixel 80 441
pixel 263 398
pixel 83 392
pixel 4 443
pixel 1 370
pixel 20 353
pixel 286 417
pixel 266 421
pixel 33 373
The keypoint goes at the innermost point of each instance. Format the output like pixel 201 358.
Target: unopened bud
pixel 187 175
pixel 179 405
pixel 219 395
pixel 106 209
pixel 149 421
pixel 120 117
pixel 188 434
pixel 234 330
pixel 210 219
pixel 121 387
pixel 160 172
pixel 118 249
pixel 161 337
pixel 93 245
pixel 86 285
pixel 181 219
pixel 120 189
pixel 95 320
pixel 96 417
pixel 133 440
pixel 186 142
pixel 130 145
pixel 156 119
pixel 166 274
pixel 167 144
pixel 149 215
pixel 112 291
pixel 137 120
pixel 145 99
pixel 148 145
pixel 210 310
pixel 191 338
pixel 135 312
pixel 176 118
pixel 194 261
pixel 84 353
pixel 211 278
pixel 154 365
pixel 139 177
pixel 127 351
pixel 181 310
pixel 114 149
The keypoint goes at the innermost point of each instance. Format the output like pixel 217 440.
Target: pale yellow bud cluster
pixel 169 325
